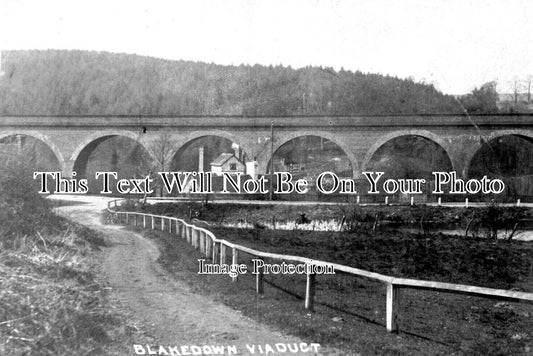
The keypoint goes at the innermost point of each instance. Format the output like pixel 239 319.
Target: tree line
pixel 73 82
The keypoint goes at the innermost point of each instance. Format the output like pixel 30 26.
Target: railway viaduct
pixel 72 138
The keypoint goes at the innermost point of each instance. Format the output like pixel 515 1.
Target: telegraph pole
pixel 271 191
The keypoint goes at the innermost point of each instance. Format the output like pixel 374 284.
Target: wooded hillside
pixel 61 82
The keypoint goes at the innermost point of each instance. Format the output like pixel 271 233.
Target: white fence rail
pixel 211 246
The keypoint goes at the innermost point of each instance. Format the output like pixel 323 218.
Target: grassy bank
pixel 51 302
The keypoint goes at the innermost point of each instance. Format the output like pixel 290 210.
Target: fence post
pixel 144 221
pixel 205 243
pixel 207 246
pixel 393 303
pixel 201 239
pixel 195 238
pixel 310 291
pixel 222 253
pixel 188 233
pixel 178 230
pixel 234 261
pixel 162 224
pixel 215 252
pixel 127 219
pixel 259 286
pixel 153 222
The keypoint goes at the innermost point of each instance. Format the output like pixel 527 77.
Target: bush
pixel 23 211
pixel 496 217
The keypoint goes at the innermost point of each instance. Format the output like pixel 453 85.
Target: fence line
pixel 211 246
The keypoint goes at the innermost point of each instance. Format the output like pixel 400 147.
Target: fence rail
pixel 211 246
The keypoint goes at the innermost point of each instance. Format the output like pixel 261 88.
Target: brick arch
pixel 43 138
pixel 391 136
pixel 100 135
pixel 500 133
pixel 285 137
pixel 184 142
pixel 527 134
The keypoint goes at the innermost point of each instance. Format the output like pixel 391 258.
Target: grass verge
pixel 50 300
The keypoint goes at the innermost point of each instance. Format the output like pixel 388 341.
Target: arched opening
pixel 209 153
pixel 410 156
pixel 308 156
pixel 112 153
pixel 507 157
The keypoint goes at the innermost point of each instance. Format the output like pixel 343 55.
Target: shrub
pixel 22 209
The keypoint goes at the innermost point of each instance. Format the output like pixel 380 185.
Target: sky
pixel 456 45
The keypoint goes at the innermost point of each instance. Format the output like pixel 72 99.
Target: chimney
pixel 201 159
pixel 237 150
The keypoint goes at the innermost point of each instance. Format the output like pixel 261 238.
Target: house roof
pixel 223 158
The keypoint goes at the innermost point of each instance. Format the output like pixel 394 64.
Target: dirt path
pixel 174 315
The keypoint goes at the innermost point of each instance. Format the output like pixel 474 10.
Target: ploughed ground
pixel 165 308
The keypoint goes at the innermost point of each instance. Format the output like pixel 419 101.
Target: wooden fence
pixel 211 246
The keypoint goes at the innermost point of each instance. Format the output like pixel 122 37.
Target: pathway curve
pixel 174 315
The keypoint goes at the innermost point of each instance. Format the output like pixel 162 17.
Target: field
pixel 350 311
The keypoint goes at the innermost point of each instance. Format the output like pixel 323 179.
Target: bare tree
pixel 162 149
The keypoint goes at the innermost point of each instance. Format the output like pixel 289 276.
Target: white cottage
pixel 227 163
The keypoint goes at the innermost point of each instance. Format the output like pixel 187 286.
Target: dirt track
pixel 164 307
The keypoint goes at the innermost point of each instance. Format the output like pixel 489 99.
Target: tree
pixel 162 149
pixel 58 82
pixel 482 101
